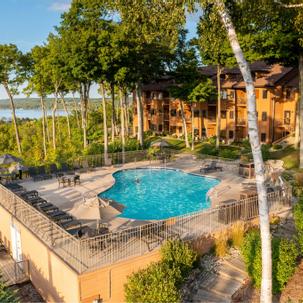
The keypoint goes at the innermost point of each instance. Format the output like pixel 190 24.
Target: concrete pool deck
pixel 77 200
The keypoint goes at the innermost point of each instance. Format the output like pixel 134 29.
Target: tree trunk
pixel 14 119
pixel 192 127
pixel 43 126
pixel 122 125
pixel 113 120
pixel 84 93
pixel 67 117
pixel 266 284
pixel 54 109
pixel 140 115
pixel 301 108
pixel 76 111
pixel 218 124
pixel 105 132
pixel 184 125
pixel 126 116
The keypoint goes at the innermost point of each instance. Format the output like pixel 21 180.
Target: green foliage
pixel 153 284
pixel 298 218
pixel 209 149
pixel 288 253
pixel 178 254
pixel 265 149
pixel 160 282
pixel 228 153
pixel 284 255
pixel 7 295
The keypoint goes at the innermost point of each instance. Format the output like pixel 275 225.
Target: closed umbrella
pixel 9 159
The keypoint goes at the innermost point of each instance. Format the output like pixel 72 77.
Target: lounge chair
pixel 211 167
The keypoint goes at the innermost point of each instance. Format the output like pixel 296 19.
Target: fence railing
pixel 91 253
pixel 92 161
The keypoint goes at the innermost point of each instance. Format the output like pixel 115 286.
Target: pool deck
pixel 79 200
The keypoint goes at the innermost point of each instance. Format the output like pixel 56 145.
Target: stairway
pixel 219 286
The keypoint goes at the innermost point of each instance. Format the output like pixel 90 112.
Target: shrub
pixel 298 218
pixel 277 146
pixel 284 255
pixel 237 232
pixel 221 244
pixel 157 283
pixel 179 254
pixel 209 149
pixel 288 254
pixel 229 153
pixel 160 282
pixel 265 151
pixel 7 295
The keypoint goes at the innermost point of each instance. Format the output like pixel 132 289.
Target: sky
pixel 27 23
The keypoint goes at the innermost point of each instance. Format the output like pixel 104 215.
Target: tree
pixel 186 76
pixel 10 77
pixel 203 92
pixel 79 30
pixel 214 50
pixel 39 81
pixel 266 284
pixel 152 28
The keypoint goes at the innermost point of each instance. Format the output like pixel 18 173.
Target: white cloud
pixel 59 6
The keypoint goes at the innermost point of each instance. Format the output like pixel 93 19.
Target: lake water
pixel 27 113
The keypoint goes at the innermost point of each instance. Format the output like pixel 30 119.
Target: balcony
pixel 241 122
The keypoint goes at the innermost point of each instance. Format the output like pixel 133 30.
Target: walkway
pixel 220 283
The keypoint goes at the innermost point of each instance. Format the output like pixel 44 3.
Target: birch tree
pixel 10 68
pixel 266 284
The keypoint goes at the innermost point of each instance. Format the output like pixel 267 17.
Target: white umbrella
pixel 9 159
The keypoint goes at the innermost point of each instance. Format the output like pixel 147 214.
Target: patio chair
pixel 70 224
pixel 63 181
pixel 211 167
pixel 76 180
pixel 47 208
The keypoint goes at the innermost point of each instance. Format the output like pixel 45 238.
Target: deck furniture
pixel 211 167
pixel 247 170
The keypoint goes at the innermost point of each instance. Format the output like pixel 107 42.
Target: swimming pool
pixel 155 194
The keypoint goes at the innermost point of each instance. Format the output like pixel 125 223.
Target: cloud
pixel 59 6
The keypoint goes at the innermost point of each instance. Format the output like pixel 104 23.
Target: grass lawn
pixel 289 155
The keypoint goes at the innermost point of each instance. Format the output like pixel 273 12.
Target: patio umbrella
pixel 9 159
pixel 160 143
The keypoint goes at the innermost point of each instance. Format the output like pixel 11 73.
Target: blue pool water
pixel 155 194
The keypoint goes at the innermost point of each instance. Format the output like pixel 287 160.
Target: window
pixel 231 115
pixel 173 129
pixel 196 113
pixel 264 116
pixel 224 94
pixel 287 117
pixel 153 127
pixel 263 137
pixel 203 132
pixel 223 115
pixel 160 96
pixel 287 93
pixel 147 94
pixel 196 132
pixel 180 129
pixel 264 94
pixel 203 113
pixel 179 113
pixel 173 112
pixel 152 111
pixel 160 127
pixel 231 134
pixel 165 94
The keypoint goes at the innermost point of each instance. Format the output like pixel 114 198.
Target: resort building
pixel 276 95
